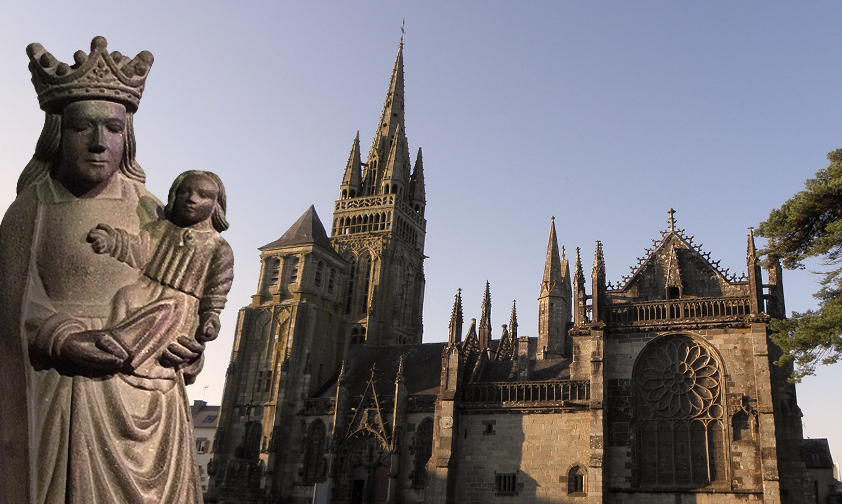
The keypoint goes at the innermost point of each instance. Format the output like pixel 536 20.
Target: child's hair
pixel 218 216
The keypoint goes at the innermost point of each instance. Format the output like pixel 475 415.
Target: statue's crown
pixel 95 76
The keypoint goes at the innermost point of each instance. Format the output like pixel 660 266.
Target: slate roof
pixel 817 454
pixel 421 369
pixel 308 229
pixel 542 370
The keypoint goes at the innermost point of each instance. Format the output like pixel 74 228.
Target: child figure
pixel 187 272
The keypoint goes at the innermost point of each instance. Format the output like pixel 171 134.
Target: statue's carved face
pixel 91 145
pixel 195 200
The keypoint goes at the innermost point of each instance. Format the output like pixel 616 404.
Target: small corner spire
pixel 456 319
pixel 671 219
pixel 752 250
pixel 513 321
pixel 484 332
pixel 552 278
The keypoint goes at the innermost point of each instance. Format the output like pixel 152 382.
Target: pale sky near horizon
pixel 603 114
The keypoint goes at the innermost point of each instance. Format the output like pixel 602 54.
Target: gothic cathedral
pixel 659 389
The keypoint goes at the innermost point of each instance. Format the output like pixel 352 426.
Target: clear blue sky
pixel 604 114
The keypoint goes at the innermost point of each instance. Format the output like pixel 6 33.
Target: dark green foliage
pixel 809 225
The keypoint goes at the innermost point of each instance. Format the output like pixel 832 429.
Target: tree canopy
pixel 809 225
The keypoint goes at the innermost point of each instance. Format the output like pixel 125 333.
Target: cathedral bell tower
pixel 379 228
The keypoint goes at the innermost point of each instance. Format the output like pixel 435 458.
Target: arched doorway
pixel 366 472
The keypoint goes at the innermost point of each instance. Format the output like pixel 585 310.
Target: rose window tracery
pixel 681 379
pixel 680 431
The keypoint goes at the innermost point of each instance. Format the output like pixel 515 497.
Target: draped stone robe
pixel 68 436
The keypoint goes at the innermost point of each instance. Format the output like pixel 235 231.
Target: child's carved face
pixel 195 200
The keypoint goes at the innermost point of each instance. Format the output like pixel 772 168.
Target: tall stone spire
pixel 351 182
pixel 390 127
pixel 484 332
pixel 455 329
pixel 554 302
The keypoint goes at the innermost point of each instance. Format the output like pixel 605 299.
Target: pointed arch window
pixel 314 452
pixel 577 480
pixel 679 410
pixel 349 297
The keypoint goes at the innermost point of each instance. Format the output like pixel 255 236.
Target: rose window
pixel 680 379
pixel 679 415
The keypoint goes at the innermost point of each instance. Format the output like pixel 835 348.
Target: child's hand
pixel 102 238
pixel 208 327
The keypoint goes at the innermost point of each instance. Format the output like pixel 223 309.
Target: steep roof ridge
pixel 657 245
pixel 308 229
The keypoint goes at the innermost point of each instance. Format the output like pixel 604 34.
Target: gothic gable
pixel 369 417
pixel 676 267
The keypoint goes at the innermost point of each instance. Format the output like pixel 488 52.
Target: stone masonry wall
pixel 734 347
pixel 539 448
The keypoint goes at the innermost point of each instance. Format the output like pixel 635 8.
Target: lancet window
pixel 314 454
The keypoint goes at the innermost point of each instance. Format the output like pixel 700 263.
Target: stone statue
pixel 94 352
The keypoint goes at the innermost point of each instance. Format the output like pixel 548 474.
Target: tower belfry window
pixel 293 270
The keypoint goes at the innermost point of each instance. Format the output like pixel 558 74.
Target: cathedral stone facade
pixel 660 389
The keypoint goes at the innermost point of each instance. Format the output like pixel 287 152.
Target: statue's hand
pixel 93 350
pixel 208 327
pixel 183 351
pixel 102 238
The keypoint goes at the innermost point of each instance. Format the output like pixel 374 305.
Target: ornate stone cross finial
pixel 671 220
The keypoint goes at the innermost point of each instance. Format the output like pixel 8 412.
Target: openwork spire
pixel 352 181
pixel 390 126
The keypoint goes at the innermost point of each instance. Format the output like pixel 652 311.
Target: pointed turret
pixel 598 285
pixel 513 320
pixel 484 332
pixel 352 181
pixel 416 186
pixel 755 282
pixel 580 299
pixel 551 283
pixel 455 328
pixel 554 302
pixel 395 172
